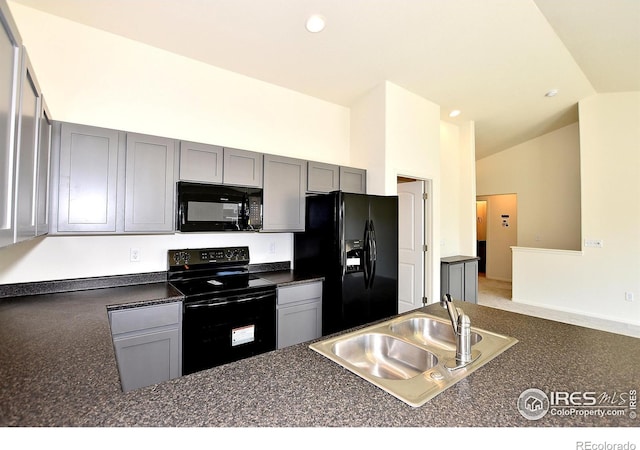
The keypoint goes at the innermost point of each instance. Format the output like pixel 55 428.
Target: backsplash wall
pixel 69 257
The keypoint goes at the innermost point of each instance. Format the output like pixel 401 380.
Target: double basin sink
pixel 409 356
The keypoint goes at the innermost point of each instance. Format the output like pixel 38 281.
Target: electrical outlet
pixel 628 296
pixel 596 243
pixel 134 255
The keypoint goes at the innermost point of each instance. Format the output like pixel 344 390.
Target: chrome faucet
pixel 462 331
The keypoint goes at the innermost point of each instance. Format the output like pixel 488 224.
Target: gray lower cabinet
pixel 299 313
pixel 149 184
pixel 148 344
pixel 200 162
pixel 242 168
pixel 353 180
pixel 285 184
pixel 459 278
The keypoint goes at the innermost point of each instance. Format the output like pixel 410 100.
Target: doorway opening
pixel 497 232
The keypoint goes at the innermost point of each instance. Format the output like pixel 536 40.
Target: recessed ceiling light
pixel 315 23
pixel 551 93
pixel 455 113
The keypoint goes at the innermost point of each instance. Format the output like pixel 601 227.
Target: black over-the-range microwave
pixel 213 207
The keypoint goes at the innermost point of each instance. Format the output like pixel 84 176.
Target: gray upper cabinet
pixel 353 180
pixel 149 184
pixel 9 91
pixel 242 168
pixel 200 162
pixel 285 183
pixel 27 153
pixel 43 172
pixel 323 177
pixel 87 178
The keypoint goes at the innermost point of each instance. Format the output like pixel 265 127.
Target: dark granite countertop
pixel 458 259
pixel 58 368
pixel 289 277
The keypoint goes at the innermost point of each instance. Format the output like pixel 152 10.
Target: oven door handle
pixel 206 304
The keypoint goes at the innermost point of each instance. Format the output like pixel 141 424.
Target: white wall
pixel 458 186
pixel 68 257
pixel 545 174
pixel 395 132
pixel 594 281
pixel 96 78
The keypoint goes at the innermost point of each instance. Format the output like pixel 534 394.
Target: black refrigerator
pixel 351 240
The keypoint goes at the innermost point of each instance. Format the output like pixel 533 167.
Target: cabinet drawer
pixel 299 293
pixel 144 317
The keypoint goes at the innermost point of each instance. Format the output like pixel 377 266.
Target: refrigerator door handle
pixel 365 254
pixel 374 253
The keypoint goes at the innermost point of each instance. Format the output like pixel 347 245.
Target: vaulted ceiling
pixel 492 59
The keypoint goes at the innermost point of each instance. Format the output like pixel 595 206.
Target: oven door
pixel 228 329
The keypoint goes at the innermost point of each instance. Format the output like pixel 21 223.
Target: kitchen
pixel 279 132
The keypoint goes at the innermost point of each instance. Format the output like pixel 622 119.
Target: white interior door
pixel 411 245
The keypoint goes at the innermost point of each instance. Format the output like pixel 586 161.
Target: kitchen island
pixel 58 368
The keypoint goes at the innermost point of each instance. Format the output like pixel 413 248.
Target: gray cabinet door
pixel 148 358
pixel 460 280
pixel 9 88
pixel 200 162
pixel 44 155
pixel 353 180
pixel 242 168
pixel 149 183
pixel 285 183
pixel 87 178
pixel 322 177
pixel 27 152
pixel 148 344
pixel 471 281
pixel 299 313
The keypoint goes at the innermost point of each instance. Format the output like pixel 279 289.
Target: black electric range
pixel 229 313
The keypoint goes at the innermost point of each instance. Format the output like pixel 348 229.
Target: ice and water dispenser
pixel 355 253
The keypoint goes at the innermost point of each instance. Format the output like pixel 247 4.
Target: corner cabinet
pixel 147 341
pixel 149 183
pixel 459 278
pixel 299 313
pixel 285 184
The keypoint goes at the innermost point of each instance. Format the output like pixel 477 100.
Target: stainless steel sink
pixel 384 356
pixel 429 331
pixel 408 356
